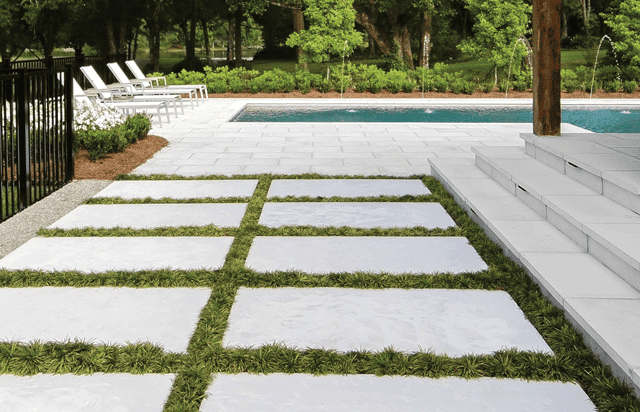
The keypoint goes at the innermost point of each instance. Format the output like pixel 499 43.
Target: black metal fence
pixel 36 136
pixel 98 62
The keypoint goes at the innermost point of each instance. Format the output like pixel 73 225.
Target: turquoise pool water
pixel 610 120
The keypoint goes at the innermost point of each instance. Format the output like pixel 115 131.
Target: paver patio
pixel 203 142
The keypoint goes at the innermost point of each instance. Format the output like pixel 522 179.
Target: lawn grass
pixel 572 362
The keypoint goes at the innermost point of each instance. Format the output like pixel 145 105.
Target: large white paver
pixel 150 216
pixel 367 393
pixel 163 316
pixel 367 254
pixel 359 214
pixel 179 189
pixel 347 188
pixel 113 392
pixel 100 254
pixel 447 322
pixel 614 324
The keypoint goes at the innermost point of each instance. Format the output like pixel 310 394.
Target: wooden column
pixel 547 31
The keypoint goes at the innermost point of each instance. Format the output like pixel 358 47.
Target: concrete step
pixel 600 226
pixel 596 300
pixel 606 163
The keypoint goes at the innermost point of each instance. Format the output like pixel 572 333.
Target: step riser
pixel 575 233
pixel 597 183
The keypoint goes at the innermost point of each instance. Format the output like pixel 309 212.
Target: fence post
pixel 24 166
pixel 68 120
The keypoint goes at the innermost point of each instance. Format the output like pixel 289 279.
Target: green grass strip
pixel 572 361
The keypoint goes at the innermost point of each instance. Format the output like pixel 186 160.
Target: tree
pixel 45 19
pixel 625 26
pixel 331 30
pixel 387 23
pixel 13 30
pixel 498 26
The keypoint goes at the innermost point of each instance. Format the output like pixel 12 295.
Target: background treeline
pixel 404 33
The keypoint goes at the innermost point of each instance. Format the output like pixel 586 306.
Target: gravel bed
pixel 25 225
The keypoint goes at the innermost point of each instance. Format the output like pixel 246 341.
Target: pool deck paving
pixel 579 244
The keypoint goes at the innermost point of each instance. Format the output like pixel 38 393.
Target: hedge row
pixel 371 78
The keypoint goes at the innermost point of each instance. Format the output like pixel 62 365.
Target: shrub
pixel 219 86
pixel 305 81
pixel 441 85
pixel 487 87
pixel 377 82
pixel 277 80
pixel 469 87
pixel 257 85
pixel 502 86
pixel 607 74
pixel 325 86
pixel 612 87
pixel 457 86
pixel 520 85
pixel 395 79
pixel 236 85
pixel 102 129
pixel 571 86
pixel 362 86
pixel 629 87
pixel 583 75
pixel 408 86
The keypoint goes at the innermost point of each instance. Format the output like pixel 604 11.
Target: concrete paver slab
pixel 447 322
pixel 359 215
pixel 163 316
pixel 368 254
pixel 100 254
pixel 347 188
pixel 354 393
pixel 623 239
pixel 502 208
pixel 96 393
pixel 614 324
pixel 534 236
pixel 578 275
pixel 150 216
pixel 179 189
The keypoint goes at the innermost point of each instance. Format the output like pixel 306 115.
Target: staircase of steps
pixel 569 214
pixel 600 225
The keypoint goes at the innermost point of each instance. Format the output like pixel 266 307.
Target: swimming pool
pixel 599 120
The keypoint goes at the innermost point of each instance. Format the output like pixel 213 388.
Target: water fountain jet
pixel 613 47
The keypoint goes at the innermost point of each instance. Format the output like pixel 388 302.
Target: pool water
pixel 610 120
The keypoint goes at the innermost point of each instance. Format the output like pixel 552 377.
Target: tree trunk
pixel 111 38
pixel 238 37
pixel 135 44
pixel 123 39
pixel 205 34
pixel 403 40
pixel 425 37
pixel 154 43
pixel 367 18
pixel 230 41
pixel 298 27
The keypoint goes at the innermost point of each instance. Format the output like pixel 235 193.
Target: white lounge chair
pixel 117 90
pixel 127 106
pixel 130 86
pixel 148 81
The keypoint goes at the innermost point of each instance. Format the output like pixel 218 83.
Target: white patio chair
pixel 139 75
pixel 127 106
pixel 118 91
pixel 130 86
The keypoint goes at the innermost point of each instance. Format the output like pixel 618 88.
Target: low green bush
pixel 457 86
pixel 441 85
pixel 469 87
pixel 629 87
pixel 612 86
pixel 487 87
pixel 395 79
pixel 408 86
pixel 362 86
pixel 324 86
pixel 520 86
pixel 377 82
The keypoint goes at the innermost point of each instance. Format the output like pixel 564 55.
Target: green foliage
pixel 395 80
pixel 325 86
pixel 498 25
pixel 520 86
pixel 100 142
pixel 487 87
pixel 625 25
pixel 276 81
pixel 331 30
pixel 305 80
pixel 569 80
pixel 630 87
pixel 408 86
pixel 612 86
pixel 469 87
pixel 583 77
pixel 377 82
pixel 457 86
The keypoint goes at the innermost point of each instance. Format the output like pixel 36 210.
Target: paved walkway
pixel 448 322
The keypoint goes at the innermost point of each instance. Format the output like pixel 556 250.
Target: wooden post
pixel 547 31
